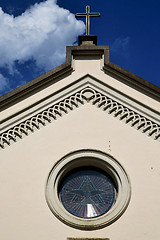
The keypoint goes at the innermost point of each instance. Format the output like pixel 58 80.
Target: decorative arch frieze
pixel 87 95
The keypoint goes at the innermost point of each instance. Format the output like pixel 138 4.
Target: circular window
pixel 87 192
pixel 87 189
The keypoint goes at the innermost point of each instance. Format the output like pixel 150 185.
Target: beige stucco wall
pixel 25 165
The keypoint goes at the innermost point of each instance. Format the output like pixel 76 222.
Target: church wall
pixel 25 165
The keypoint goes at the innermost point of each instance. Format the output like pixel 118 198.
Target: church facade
pixel 80 149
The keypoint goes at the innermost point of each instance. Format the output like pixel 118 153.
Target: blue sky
pixel 34 35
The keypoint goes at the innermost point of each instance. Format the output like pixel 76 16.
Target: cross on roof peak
pixel 87 15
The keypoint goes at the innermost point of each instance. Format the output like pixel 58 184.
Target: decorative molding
pixel 87 95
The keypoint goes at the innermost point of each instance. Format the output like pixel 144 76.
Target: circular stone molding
pixel 88 159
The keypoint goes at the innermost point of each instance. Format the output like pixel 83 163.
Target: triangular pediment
pixel 86 90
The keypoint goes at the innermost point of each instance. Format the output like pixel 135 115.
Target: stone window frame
pixel 96 159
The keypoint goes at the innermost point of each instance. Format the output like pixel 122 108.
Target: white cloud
pixel 3 83
pixel 120 45
pixel 40 33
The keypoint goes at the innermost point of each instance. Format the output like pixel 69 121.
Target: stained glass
pixel 87 192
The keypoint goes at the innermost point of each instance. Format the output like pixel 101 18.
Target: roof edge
pixel 133 80
pixel 128 77
pixel 35 83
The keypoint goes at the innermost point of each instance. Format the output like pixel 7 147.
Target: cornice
pixel 86 95
pixel 34 84
pixel 132 80
pixel 52 76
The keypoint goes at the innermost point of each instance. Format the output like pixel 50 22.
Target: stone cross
pixel 87 15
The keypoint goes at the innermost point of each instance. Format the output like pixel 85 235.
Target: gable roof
pixel 86 88
pixel 109 67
